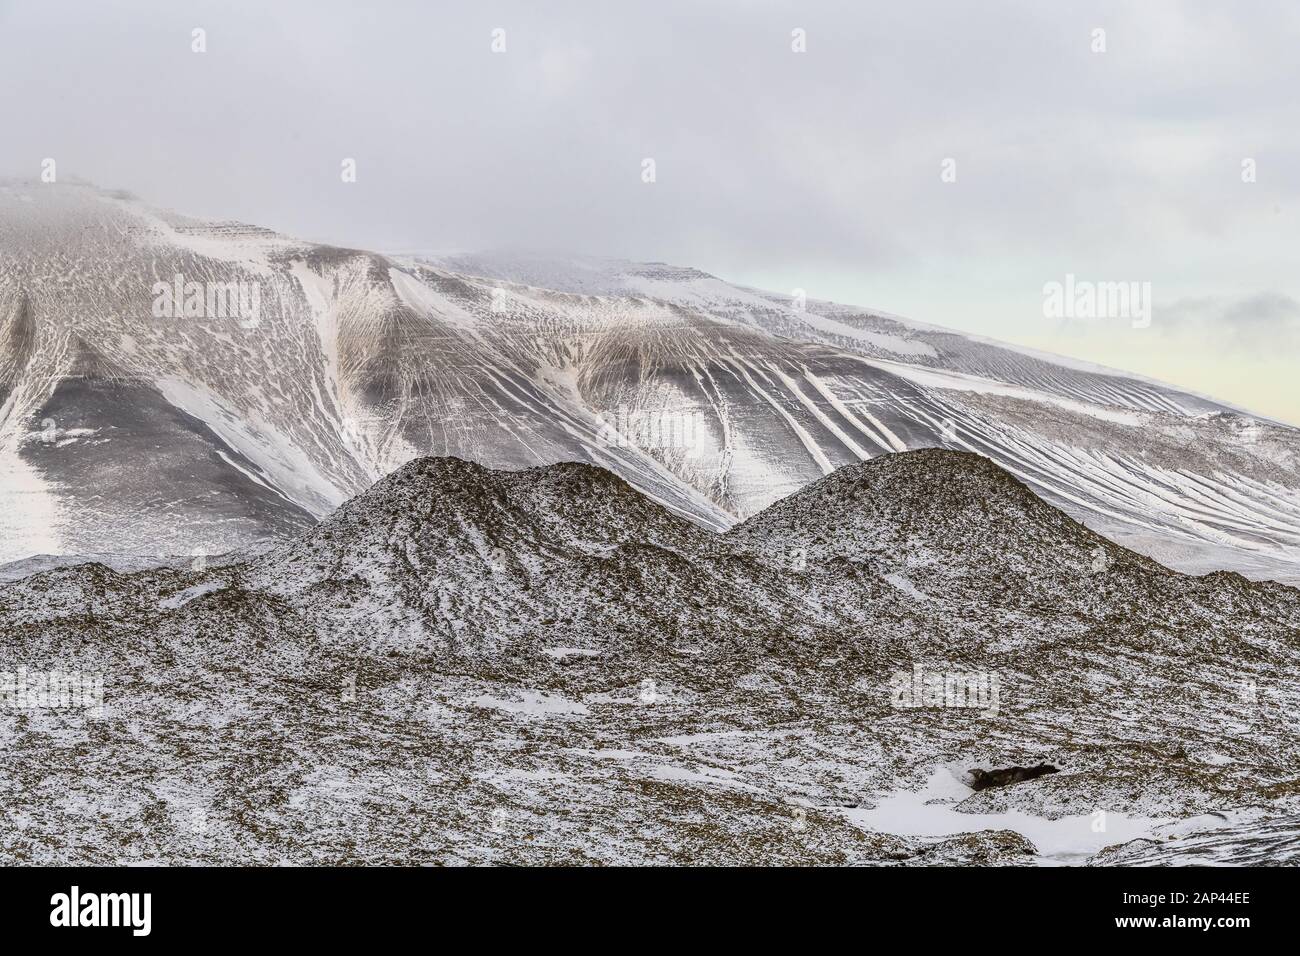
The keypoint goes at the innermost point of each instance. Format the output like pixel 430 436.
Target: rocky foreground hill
pixel 463 665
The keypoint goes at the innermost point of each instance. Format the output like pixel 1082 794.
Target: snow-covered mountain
pixel 544 666
pixel 126 427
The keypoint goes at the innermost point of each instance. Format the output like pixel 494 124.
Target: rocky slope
pixel 130 428
pixel 469 665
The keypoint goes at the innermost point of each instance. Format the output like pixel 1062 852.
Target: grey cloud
pixel 1261 323
pixel 767 160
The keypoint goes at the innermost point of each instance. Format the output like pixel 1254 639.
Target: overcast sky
pixel 819 170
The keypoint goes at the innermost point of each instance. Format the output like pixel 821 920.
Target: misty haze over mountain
pixel 818 170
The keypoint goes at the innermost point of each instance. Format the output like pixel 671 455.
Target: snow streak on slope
pixel 713 399
pixel 1179 476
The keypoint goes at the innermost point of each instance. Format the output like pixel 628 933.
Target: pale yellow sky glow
pixel 1237 346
